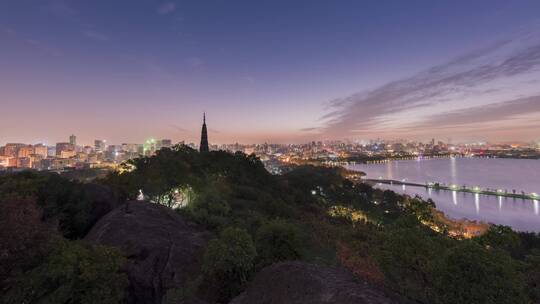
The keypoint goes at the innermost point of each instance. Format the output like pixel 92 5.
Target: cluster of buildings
pixel 69 154
pixel 275 156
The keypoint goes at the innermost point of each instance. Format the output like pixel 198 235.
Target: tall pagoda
pixel 204 136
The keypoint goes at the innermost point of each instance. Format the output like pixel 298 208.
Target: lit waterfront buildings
pixel 69 155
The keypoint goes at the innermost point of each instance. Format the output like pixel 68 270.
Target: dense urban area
pixel 101 155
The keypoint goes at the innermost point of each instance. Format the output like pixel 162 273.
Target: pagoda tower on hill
pixel 204 137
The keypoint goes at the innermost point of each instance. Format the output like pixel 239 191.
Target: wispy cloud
pixel 60 8
pixel 179 129
pixel 485 85
pixel 166 8
pixel 40 46
pixel 8 31
pixel 309 129
pixel 96 36
pixel 195 61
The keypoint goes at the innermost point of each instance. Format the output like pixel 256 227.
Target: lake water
pixel 494 173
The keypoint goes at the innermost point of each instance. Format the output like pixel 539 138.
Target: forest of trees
pixel 313 214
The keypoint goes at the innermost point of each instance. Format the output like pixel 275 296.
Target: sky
pixel 269 71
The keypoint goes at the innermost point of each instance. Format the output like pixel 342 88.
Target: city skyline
pixel 285 73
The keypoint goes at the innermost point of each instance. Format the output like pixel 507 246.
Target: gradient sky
pixel 275 71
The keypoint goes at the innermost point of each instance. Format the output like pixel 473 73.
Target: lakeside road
pixel 482 176
pixel 438 186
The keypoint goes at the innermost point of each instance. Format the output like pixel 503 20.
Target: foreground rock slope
pixel 163 249
pixel 303 283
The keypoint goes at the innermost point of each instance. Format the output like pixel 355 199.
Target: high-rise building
pixel 64 149
pixel 99 145
pixel 149 147
pixel 73 140
pixel 204 137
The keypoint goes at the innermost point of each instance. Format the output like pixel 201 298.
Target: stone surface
pixel 164 250
pixel 303 283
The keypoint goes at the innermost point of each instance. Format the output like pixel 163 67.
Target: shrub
pixel 74 272
pixel 228 261
pixel 24 238
pixel 278 240
pixel 468 273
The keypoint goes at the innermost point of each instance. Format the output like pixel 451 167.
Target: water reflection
pixel 389 170
pixel 453 170
pixel 523 175
pixel 477 202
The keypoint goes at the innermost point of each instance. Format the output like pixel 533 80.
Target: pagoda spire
pixel 204 136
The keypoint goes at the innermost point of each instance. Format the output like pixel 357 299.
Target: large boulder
pixel 163 249
pixel 303 283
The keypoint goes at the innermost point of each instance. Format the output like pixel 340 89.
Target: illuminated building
pixel 67 153
pixel 24 162
pixel 99 145
pixel 4 161
pixel 36 160
pixel 42 150
pixel 63 147
pixel 149 147
pixel 204 137
pixel 12 149
pixel 133 148
pixel 25 151
pixel 164 143
pixel 61 163
pixel 87 149
pixel 82 157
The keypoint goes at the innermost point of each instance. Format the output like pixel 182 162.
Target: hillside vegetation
pixel 255 219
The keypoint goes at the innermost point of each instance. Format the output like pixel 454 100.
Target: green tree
pixel 228 261
pixel 75 206
pixel 469 273
pixel 73 272
pixel 279 240
pixel 405 257
pixel 531 268
pixel 501 237
pixel 210 206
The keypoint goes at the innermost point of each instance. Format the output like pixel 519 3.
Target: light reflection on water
pixel 477 202
pixel 488 173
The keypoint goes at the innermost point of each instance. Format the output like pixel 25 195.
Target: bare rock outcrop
pixel 163 249
pixel 303 283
